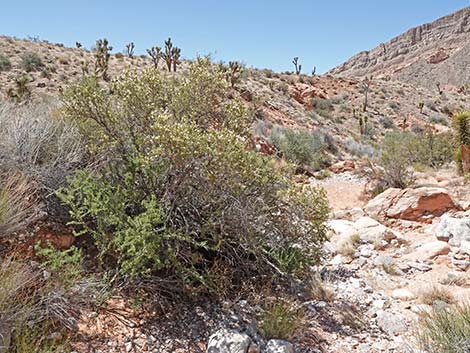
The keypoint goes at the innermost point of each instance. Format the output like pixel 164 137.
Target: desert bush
pixel 301 147
pixel 280 320
pixel 399 151
pixel 387 122
pixel 40 145
pixel 359 149
pixel 5 63
pixel 445 329
pixel 31 62
pixel 396 157
pixel 438 119
pixel 436 294
pixel 17 203
pixel 178 192
pixel 33 306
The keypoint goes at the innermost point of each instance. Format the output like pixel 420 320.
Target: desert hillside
pixel 427 55
pixel 154 204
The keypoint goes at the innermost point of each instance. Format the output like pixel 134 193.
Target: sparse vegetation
pixel 280 320
pixel 5 63
pixel 445 329
pixel 31 62
pixel 437 294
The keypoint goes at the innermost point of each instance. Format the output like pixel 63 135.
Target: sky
pixel 263 33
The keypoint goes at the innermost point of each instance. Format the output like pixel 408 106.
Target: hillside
pixel 432 53
pixel 331 104
pixel 148 212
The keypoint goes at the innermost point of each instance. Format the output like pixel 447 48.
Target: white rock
pixel 429 251
pixel 403 294
pixel 279 346
pixel 453 230
pixel 228 341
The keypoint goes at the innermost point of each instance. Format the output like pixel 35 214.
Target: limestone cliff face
pixel 427 54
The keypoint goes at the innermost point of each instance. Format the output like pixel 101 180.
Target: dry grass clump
pixel 280 320
pixel 434 294
pixel 319 290
pixel 445 330
pixel 348 245
pixel 17 203
pixel 41 146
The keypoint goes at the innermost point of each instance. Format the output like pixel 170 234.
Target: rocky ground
pixel 388 260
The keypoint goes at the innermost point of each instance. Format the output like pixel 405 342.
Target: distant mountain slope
pixel 436 52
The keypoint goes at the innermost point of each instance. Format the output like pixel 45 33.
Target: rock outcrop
pixel 427 54
pixel 410 204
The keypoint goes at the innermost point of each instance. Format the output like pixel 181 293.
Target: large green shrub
pixel 401 150
pixel 301 147
pixel 178 192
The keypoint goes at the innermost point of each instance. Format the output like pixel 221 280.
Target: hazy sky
pixel 264 34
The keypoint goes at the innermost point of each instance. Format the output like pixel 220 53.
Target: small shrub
pixel 280 320
pixel 319 290
pixel 394 106
pixel 435 294
pixel 359 149
pixel 323 107
pixel 348 246
pixel 445 330
pixel 66 264
pixel 396 158
pixel 17 203
pixel 300 146
pixel 387 122
pixel 31 62
pixel 41 146
pixel 5 63
pixel 438 119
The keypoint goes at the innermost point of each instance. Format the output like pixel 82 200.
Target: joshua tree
pixel 130 49
pixel 462 127
pixel 405 120
pixel 366 87
pixel 175 57
pixel 363 120
pixel 421 107
pixel 171 55
pixel 84 65
pixel 438 85
pixel 234 72
pixel 314 70
pixel 102 55
pixel 298 67
pixel 78 45
pixel 155 54
pixel 167 55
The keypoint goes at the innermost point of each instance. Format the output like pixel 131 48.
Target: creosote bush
pixel 177 193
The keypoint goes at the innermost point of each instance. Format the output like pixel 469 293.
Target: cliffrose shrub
pixel 177 193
